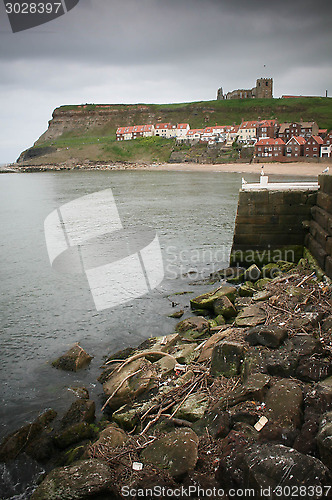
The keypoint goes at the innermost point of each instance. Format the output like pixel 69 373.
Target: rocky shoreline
pixel 238 398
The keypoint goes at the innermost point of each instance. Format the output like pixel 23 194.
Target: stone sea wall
pixel 277 225
pixel 319 239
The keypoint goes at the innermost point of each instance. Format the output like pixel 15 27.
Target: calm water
pixel 43 313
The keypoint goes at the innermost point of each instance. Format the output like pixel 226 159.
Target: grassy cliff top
pixel 226 112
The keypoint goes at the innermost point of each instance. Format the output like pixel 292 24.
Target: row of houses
pixel 297 146
pixel 166 130
pixel 267 136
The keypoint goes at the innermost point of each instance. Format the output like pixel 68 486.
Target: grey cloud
pixel 160 51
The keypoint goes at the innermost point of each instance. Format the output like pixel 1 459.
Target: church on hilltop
pixel 263 90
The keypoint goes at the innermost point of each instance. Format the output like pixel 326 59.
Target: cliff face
pixel 99 119
pixel 86 133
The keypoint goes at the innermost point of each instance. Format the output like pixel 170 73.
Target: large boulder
pixel 73 434
pixel 314 369
pixel 282 363
pixel 27 438
pixel 194 327
pixel 223 306
pixel 209 345
pixel 280 470
pixel 255 388
pixel 207 300
pixel 111 437
pixel 227 357
pixel 253 273
pixel 319 398
pixel 81 410
pixel 251 316
pixel 84 479
pixel 177 452
pixel 134 385
pixel 304 344
pixel 73 360
pixel 324 439
pixel 284 404
pixel 194 407
pixel 269 336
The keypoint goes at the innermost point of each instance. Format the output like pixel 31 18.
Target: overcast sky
pixel 157 51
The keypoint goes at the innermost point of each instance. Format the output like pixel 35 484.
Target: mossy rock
pixel 177 452
pixel 193 328
pixel 313 264
pixel 74 434
pixel 261 284
pixel 247 289
pixel 194 407
pixel 207 300
pixel 271 270
pixel 73 360
pixel 285 266
pixel 227 358
pixel 224 306
pixel 220 320
pixel 126 417
pixel 86 478
pixel 253 273
pixel 72 455
pixel 26 436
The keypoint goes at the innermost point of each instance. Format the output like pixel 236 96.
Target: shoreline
pixel 284 169
pixel 204 403
pixel 289 169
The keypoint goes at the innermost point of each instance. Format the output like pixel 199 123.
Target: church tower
pixel 220 94
pixel 264 88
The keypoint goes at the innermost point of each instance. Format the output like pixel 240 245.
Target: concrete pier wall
pixel 319 239
pixel 275 225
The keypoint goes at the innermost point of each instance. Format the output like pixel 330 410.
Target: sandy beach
pixel 291 169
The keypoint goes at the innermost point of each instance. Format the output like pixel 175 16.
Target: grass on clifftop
pixel 226 112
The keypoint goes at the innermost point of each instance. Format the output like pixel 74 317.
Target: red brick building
pixel 267 128
pixel 294 147
pixel 312 146
pixel 271 148
pixel 301 129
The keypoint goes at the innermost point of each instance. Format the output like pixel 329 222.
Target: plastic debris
pixel 137 466
pixel 261 423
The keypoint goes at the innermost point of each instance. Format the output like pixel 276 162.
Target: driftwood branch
pixel 119 387
pixel 142 355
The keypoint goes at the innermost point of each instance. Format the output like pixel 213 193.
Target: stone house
pixel 267 128
pixel 312 146
pixel 271 148
pixel 294 147
pixel 297 129
pixel 326 148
